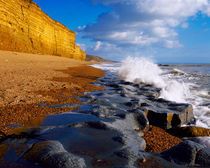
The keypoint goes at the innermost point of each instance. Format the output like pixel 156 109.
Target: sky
pixel 167 31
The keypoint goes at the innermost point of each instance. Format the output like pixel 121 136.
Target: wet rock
pixel 133 104
pixel 101 162
pixel 122 154
pixel 16 165
pixel 177 71
pixel 204 140
pixel 121 115
pixel 91 124
pixel 96 125
pixel 189 131
pixel 153 161
pixel 166 114
pixel 203 158
pixel 52 154
pixel 186 153
pixel 118 139
pixel 138 119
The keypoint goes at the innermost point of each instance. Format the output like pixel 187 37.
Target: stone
pixel 52 154
pixel 138 119
pixel 203 158
pixel 185 153
pixel 166 114
pixel 24 27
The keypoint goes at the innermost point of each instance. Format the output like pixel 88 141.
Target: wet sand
pixel 28 80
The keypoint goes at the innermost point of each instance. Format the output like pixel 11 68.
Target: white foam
pixel 175 91
pixel 107 67
pixel 139 70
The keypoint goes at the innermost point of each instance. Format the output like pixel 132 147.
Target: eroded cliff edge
pixel 24 27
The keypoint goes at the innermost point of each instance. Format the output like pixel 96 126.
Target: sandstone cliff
pixel 24 27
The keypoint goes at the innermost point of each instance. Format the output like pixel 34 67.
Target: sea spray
pixel 142 70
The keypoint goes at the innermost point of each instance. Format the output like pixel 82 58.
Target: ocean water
pixel 182 83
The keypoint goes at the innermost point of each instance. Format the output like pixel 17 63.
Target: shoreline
pixel 28 80
pixel 38 83
pixel 58 85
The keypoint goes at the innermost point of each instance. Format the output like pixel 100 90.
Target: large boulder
pixel 187 153
pixel 52 154
pixel 166 114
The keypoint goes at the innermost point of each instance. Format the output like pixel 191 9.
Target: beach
pixel 28 80
pixel 88 113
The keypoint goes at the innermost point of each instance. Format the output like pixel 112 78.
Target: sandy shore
pixel 30 79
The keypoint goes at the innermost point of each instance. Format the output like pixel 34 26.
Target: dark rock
pixel 89 124
pixel 203 140
pixel 118 139
pixel 166 114
pixel 139 120
pixel 121 115
pixel 122 154
pixel 203 158
pixel 52 154
pixel 96 125
pixel 132 104
pixel 101 162
pixel 184 153
pixel 157 119
pixel 143 104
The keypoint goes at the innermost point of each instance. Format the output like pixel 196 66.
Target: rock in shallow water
pixel 52 154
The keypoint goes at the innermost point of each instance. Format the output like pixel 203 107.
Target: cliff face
pixel 24 27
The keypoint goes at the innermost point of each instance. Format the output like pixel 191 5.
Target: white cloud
pixel 97 46
pixel 139 23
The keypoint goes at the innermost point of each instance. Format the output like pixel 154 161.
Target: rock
pixel 166 114
pixel 187 154
pixel 118 139
pixel 24 27
pixel 204 140
pixel 177 71
pixel 52 154
pixel 203 158
pixel 189 131
pixel 138 119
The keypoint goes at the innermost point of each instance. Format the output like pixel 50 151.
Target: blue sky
pixel 168 31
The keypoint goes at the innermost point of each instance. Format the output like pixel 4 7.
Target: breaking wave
pixel 142 70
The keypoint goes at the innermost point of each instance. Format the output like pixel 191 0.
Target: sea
pixel 181 83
